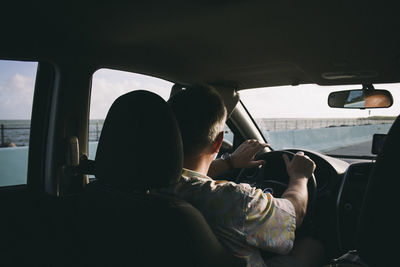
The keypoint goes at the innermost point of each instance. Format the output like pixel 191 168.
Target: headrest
pixel 140 146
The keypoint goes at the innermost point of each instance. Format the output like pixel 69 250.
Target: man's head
pixel 201 115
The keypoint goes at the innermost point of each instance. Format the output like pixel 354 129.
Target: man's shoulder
pixel 217 186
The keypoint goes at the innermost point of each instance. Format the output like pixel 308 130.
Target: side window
pixel 228 144
pixel 108 85
pixel 228 134
pixel 17 82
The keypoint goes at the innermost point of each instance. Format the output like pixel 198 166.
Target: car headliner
pixel 241 44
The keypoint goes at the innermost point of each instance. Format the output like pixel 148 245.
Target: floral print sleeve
pixel 270 222
pixel 243 218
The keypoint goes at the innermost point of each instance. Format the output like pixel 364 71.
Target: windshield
pixel 299 117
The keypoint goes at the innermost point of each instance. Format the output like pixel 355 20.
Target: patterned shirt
pixel 244 219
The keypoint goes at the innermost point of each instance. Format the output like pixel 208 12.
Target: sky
pixel 17 81
pixel 310 101
pixel 108 84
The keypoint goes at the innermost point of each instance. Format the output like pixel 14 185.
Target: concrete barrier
pixel 323 139
pixel 92 150
pixel 13 165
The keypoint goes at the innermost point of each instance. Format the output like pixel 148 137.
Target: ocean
pixel 14 131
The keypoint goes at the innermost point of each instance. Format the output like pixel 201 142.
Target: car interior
pixel 69 199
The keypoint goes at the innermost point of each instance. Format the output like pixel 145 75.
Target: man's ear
pixel 218 142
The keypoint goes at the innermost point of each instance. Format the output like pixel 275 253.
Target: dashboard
pixel 349 202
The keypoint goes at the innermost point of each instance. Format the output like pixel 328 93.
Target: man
pixel 245 219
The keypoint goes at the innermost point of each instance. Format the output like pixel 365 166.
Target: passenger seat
pixel 122 222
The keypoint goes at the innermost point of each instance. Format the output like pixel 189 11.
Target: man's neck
pixel 199 164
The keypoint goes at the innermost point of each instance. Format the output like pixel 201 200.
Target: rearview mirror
pixel 360 99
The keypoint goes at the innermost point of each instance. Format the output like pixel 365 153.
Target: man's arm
pixel 300 168
pixel 243 157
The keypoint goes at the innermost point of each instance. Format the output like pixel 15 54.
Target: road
pixel 361 149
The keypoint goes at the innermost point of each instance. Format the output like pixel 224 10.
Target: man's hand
pixel 301 166
pixel 243 157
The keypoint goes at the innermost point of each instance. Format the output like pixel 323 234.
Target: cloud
pixel 16 97
pixel 16 92
pixel 108 85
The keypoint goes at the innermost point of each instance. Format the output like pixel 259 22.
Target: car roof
pixel 241 44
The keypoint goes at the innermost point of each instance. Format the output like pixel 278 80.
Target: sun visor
pixel 230 97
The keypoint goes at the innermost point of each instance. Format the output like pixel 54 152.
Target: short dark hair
pixel 201 114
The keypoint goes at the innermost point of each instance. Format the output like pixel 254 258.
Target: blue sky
pixel 310 101
pixel 8 68
pixel 17 80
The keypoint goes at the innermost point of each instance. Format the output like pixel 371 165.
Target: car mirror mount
pixel 367 97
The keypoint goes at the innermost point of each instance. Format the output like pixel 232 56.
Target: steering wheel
pixel 272 177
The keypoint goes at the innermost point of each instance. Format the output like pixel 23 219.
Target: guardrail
pixel 18 135
pixel 299 124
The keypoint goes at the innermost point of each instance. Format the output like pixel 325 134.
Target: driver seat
pixel 122 221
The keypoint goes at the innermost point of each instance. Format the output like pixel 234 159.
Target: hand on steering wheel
pixel 300 166
pixel 244 155
pixel 274 174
